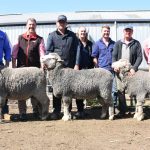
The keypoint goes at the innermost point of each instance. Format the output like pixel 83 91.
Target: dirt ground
pixel 88 134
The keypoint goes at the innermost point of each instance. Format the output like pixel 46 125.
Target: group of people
pixel 78 52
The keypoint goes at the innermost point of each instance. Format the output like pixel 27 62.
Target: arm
pixel 49 46
pixel 95 54
pixel 78 54
pixel 42 50
pixel 115 55
pixel 139 56
pixel 7 51
pixel 95 61
pixel 15 52
pixel 146 48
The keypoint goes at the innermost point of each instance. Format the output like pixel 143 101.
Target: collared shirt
pixel 103 53
pixel 5 49
pixel 16 46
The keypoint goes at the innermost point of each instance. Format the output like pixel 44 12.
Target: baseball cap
pixel 62 17
pixel 128 27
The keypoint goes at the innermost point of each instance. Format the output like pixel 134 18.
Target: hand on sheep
pixel 116 69
pixel 132 72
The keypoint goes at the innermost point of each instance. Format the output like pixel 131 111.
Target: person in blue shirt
pixel 5 54
pixel 102 56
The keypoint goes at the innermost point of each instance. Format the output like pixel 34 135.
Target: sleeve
pixel 95 50
pixel 78 54
pixel 115 52
pixel 139 56
pixel 7 49
pixel 49 46
pixel 146 49
pixel 15 49
pixel 42 48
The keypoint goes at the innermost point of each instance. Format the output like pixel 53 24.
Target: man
pixel 5 52
pixel 63 42
pixel 126 48
pixel 28 50
pixel 102 55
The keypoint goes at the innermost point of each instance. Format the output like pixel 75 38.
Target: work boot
pixel 23 117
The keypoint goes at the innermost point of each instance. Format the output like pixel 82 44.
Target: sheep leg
pixel 44 107
pixel 2 102
pixel 111 112
pixel 139 115
pixel 104 108
pixel 136 112
pixel 67 114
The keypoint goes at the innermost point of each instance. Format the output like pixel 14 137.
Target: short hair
pixel 31 19
pixel 106 26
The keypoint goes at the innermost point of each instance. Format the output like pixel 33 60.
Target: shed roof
pixel 79 16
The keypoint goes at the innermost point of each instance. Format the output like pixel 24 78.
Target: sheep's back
pixel 22 81
pixel 86 82
pixel 140 82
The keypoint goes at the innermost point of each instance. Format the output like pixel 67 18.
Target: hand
pixel 116 69
pixel 132 72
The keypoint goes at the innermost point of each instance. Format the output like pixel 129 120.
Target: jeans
pixel 5 109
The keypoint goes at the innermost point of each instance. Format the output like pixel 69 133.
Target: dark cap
pixel 128 27
pixel 62 18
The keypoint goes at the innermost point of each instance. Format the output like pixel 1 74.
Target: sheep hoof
pixel 111 117
pixel 135 116
pixel 66 118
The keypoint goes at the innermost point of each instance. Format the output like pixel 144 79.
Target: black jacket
pixel 64 45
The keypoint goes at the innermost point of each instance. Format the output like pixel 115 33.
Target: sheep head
pixel 50 60
pixel 123 66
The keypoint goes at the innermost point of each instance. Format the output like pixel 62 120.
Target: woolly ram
pixel 137 85
pixel 68 83
pixel 23 83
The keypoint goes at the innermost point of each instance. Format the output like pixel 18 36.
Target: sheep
pixel 137 85
pixel 79 84
pixel 23 83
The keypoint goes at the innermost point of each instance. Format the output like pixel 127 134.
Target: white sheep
pixel 23 83
pixel 137 85
pixel 79 84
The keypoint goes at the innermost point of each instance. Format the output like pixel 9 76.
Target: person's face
pixel 105 32
pixel 31 26
pixel 82 32
pixel 61 25
pixel 128 33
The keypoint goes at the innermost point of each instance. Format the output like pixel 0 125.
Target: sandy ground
pixel 88 134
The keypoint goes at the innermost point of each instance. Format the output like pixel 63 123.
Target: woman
pixel 86 62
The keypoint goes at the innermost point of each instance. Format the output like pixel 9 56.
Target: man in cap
pixel 126 48
pixel 65 43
